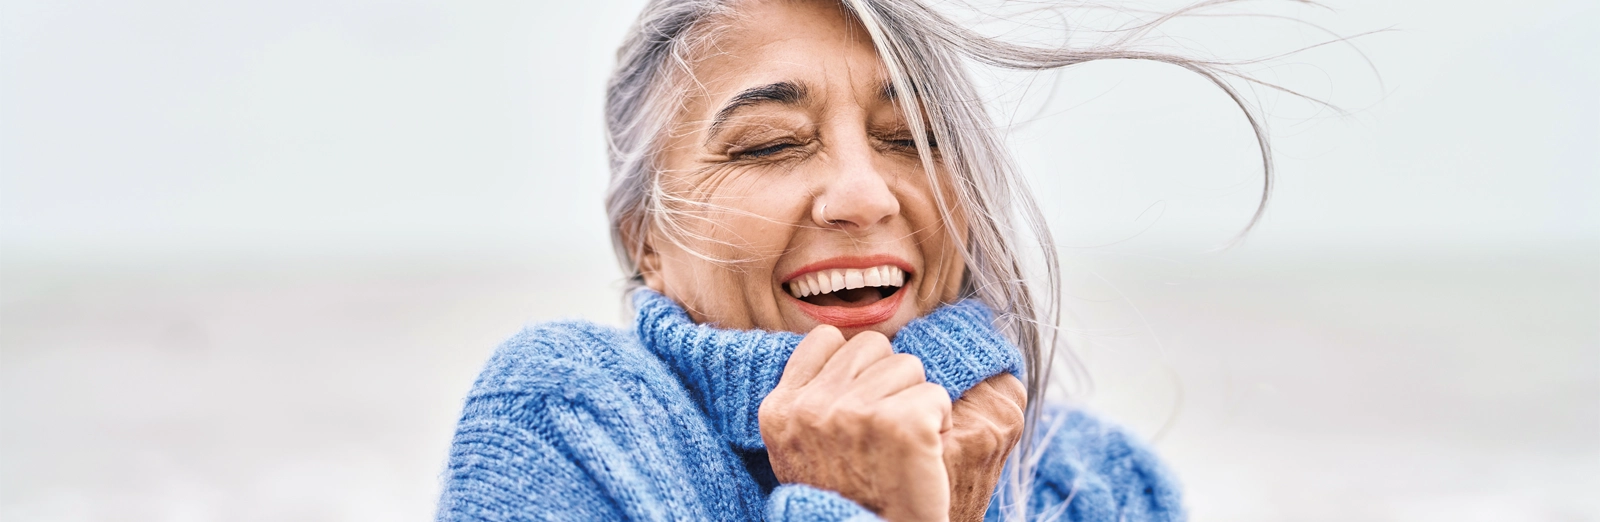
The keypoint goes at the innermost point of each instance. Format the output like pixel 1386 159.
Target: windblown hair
pixel 926 55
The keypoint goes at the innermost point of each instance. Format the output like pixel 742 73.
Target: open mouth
pixel 847 287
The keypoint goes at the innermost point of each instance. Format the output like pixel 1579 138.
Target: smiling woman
pixel 797 171
pixel 832 319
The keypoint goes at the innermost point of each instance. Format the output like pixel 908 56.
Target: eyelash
pixel 763 151
pixel 912 144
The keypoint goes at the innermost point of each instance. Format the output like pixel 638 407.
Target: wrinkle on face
pixel 746 166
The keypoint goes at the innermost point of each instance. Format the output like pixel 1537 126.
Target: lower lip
pixel 845 317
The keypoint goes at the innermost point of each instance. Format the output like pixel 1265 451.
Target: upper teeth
pixel 827 281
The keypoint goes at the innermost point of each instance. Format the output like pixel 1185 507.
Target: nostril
pixel 862 201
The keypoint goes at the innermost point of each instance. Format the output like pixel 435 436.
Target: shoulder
pixel 1095 470
pixel 559 425
pixel 564 354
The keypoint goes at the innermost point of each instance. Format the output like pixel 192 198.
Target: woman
pixel 832 319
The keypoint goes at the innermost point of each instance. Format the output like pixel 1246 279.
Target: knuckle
pixel 884 420
pixel 928 403
pixel 908 360
pixel 909 365
pixel 1014 418
pixel 873 342
pixel 775 408
pixel 1010 430
pixel 935 393
pixel 806 411
pixel 810 419
pixel 853 412
pixel 892 415
pixel 767 411
pixel 906 425
pixel 999 433
pixel 1012 388
pixel 986 441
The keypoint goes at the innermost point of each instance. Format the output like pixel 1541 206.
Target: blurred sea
pixel 1279 387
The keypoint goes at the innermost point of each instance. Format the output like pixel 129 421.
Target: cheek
pixel 942 260
pixel 753 216
pixel 742 221
pixel 731 238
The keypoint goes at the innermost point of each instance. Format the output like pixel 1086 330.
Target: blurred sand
pixel 1447 386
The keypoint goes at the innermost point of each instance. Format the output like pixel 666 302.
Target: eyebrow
pixel 781 92
pixel 786 93
pixel 886 91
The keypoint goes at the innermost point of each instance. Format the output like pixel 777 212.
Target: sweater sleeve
pixel 799 502
pixel 556 428
pixel 1092 471
pixel 503 470
pixel 527 453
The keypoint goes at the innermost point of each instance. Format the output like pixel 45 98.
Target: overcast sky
pixel 294 127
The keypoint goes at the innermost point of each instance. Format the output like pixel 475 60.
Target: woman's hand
pixel 858 419
pixel 987 423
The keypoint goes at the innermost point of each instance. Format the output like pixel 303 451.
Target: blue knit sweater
pixel 577 421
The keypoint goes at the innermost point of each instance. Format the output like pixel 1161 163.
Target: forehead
pixel 813 43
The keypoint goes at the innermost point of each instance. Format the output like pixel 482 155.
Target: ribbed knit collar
pixel 729 372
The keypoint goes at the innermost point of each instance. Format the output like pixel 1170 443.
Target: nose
pixel 855 198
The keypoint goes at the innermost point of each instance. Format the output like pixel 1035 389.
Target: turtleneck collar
pixel 729 372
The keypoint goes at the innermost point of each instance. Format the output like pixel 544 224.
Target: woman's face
pixel 796 175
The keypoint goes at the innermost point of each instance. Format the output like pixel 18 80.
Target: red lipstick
pixel 848 316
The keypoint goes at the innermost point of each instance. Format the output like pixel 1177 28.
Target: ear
pixel 645 257
pixel 650 268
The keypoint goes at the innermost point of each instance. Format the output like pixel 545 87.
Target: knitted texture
pixel 802 502
pixel 576 421
pixel 729 372
pixel 1091 470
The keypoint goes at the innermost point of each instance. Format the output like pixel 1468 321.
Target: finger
pixel 855 356
pixel 925 406
pixel 1003 387
pixel 999 397
pixel 986 409
pixel 811 356
pixel 1010 387
pixel 888 376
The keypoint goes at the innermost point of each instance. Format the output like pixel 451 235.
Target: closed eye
pixel 910 144
pixel 763 152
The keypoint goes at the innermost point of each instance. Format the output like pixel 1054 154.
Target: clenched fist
pixel 987 423
pixel 858 419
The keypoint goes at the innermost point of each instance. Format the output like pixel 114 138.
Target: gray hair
pixel 925 54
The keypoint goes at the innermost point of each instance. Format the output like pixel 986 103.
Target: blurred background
pixel 252 254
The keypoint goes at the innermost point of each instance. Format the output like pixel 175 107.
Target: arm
pixel 504 470
pixel 499 471
pixel 1094 471
pixel 526 453
pixel 556 428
